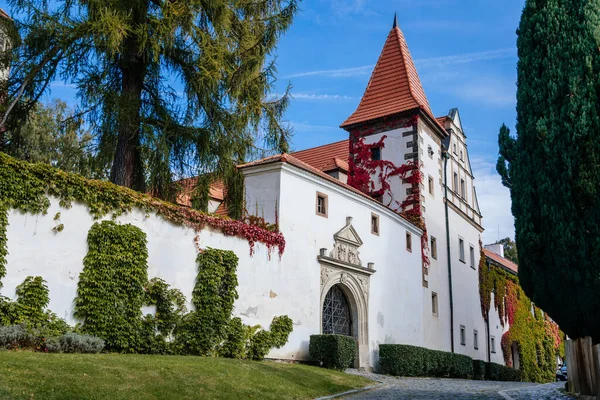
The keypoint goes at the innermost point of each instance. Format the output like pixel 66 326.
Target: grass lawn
pixel 26 375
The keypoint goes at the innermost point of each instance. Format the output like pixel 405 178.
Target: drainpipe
pixel 489 354
pixel 446 156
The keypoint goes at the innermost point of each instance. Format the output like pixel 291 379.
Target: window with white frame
pixel 475 339
pixel 408 241
pixel 434 304
pixel 463 335
pixel 461 249
pixel 492 344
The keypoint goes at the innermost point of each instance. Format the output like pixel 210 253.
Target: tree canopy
pixel 54 135
pixel 552 166
pixel 169 87
pixel 510 249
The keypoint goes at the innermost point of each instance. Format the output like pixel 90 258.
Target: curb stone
pixel 349 392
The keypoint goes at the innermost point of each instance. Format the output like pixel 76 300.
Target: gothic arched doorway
pixel 337 315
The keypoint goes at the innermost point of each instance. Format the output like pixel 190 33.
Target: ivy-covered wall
pixel 106 277
pixel 537 338
pixel 26 187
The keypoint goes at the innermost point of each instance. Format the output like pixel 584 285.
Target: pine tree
pixel 171 87
pixel 552 166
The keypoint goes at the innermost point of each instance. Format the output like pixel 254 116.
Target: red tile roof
pixel 511 266
pixel 328 157
pixel 216 191
pixel 394 86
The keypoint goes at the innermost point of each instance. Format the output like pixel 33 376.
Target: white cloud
pixel 494 201
pixel 309 96
pixel 421 63
pixel 466 58
pixel 335 73
pixel 59 84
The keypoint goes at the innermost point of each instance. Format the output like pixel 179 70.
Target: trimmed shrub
pixel 479 367
pixel 15 336
pixel 52 345
pixel 497 372
pixel 74 343
pixel 405 360
pixel 333 351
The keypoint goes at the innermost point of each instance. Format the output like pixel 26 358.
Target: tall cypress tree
pixel 168 85
pixel 552 167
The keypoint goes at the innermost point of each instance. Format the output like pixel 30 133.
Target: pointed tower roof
pixel 394 86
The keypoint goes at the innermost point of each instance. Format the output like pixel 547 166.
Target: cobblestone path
pixel 456 389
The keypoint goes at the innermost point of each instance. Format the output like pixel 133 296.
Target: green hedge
pixel 479 368
pixel 333 351
pixel 497 372
pixel 405 360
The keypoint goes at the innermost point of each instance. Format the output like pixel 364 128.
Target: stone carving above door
pixel 346 244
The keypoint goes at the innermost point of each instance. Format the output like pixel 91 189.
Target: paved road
pixel 455 389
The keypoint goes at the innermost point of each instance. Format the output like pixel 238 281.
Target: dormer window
pixel 375 153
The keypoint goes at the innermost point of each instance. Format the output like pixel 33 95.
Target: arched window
pixel 337 318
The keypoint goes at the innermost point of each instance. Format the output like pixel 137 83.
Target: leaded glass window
pixel 336 313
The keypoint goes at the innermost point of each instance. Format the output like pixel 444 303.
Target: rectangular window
pixel 461 156
pixel 463 335
pixel 376 153
pixel 455 188
pixel 433 248
pixel 462 188
pixel 431 185
pixel 475 340
pixel 375 224
pixel 461 249
pixel 454 147
pixel 472 256
pixel 322 206
pixel 493 344
pixel 408 241
pixel 434 303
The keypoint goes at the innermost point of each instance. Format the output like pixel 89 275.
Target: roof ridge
pixel 406 59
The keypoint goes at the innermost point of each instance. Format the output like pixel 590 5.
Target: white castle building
pixel 363 271
pixel 355 262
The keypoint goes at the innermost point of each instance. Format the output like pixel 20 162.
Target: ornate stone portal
pixel 343 269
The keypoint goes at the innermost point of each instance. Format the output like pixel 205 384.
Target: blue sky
pixel 465 52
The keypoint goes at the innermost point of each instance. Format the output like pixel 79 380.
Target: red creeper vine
pixel 362 169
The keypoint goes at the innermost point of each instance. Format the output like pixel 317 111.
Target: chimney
pixel 497 248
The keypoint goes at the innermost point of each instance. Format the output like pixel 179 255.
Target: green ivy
pixel 26 187
pixel 110 292
pixel 33 298
pixel 253 342
pixel 158 329
pixel 213 297
pixel 538 338
pixel 3 240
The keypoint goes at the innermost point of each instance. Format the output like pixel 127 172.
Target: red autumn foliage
pixel 362 169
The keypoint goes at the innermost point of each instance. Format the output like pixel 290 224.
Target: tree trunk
pixel 127 164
